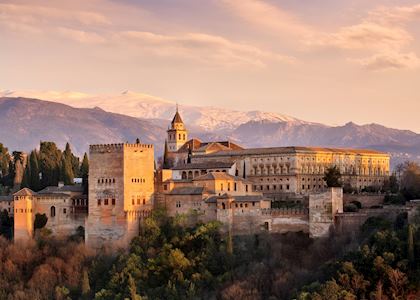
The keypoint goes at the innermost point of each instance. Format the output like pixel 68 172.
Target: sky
pixel 328 61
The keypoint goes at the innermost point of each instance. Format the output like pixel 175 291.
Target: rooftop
pixel 205 165
pixel 292 150
pixel 188 191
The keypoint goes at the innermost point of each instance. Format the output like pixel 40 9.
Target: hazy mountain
pixel 24 122
pixel 149 107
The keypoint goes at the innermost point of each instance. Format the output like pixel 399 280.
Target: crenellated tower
pixel 177 133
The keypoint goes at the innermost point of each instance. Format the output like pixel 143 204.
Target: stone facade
pixel 60 206
pixel 121 188
pixel 323 207
pixel 282 172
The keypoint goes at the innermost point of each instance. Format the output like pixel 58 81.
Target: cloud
pixel 390 61
pixel 365 35
pixel 80 35
pixel 37 14
pixel 202 47
pixel 268 16
pixel 394 15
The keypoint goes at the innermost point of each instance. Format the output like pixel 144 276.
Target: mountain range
pixel 111 119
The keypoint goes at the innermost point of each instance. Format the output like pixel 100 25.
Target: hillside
pixel 24 122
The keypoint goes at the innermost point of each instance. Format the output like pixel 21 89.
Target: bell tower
pixel 177 133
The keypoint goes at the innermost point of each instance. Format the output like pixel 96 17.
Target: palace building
pixel 282 172
pixel 249 190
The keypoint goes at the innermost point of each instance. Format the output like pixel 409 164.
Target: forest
pixel 169 260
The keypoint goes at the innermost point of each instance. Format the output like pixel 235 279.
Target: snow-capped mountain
pixel 149 107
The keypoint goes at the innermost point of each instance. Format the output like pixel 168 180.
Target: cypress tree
pixel 165 157
pixel 84 172
pixel 26 179
pixel 411 244
pixel 85 284
pixel 50 163
pixel 35 183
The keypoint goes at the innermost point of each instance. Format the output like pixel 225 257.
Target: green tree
pixel 35 183
pixel 84 172
pixel 6 224
pixel 40 221
pixel 50 161
pixel 4 160
pixel 333 177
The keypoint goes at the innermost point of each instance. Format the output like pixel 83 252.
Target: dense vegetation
pixel 44 167
pixel 169 260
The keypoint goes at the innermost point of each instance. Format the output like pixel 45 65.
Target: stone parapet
pixel 284 211
pixel 100 148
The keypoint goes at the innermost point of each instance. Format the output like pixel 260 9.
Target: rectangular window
pixel 287 187
pixel 221 186
pixel 235 186
pixel 303 186
pixel 165 187
pixel 64 211
pixel 228 186
pixel 99 202
pixel 106 201
pixel 246 188
pixel 113 201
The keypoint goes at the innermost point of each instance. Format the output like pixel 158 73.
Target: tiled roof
pixel 292 150
pixel 205 165
pixel 6 198
pixel 177 118
pixel 24 192
pixel 188 191
pixel 65 188
pixel 53 195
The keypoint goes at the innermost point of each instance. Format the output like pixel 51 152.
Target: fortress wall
pixel 367 201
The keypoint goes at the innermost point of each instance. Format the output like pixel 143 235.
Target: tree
pixel 333 177
pixel 166 163
pixel 6 224
pixel 40 221
pixel 84 172
pixel 50 161
pixel 35 183
pixel 85 284
pixel 4 160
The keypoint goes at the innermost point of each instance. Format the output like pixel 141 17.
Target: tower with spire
pixel 177 133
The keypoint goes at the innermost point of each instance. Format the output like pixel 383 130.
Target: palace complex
pixel 248 190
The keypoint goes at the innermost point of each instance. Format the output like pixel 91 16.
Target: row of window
pixel 314 186
pixel 274 179
pixel 274 187
pixel 181 136
pixel 138 180
pixel 106 202
pixel 106 180
pixel 234 187
pixel 133 202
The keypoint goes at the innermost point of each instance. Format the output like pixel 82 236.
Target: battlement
pixel 285 211
pixel 100 148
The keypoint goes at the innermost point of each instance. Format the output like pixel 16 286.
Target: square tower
pixel 121 192
pixel 177 133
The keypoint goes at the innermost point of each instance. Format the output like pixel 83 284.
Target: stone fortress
pixel 247 190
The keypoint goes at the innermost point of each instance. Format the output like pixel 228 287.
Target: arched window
pixel 184 175
pixel 52 211
pixel 190 174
